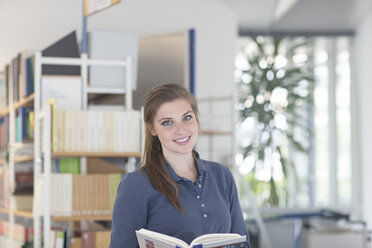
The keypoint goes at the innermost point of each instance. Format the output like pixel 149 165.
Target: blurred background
pixel 283 92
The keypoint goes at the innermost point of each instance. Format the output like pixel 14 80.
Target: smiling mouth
pixel 183 140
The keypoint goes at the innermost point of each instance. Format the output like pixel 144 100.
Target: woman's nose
pixel 180 126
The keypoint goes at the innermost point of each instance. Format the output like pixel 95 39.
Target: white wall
pixel 363 45
pixel 35 24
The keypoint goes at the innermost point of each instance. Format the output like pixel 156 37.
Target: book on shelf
pixel 15 66
pixel 95 239
pixel 29 76
pixel 82 132
pixel 66 165
pixel 95 131
pixel 26 73
pixel 72 165
pixel 78 195
pixel 24 124
pixel 4 136
pixel 70 131
pixel 3 92
pixel 22 202
pixel 108 132
pixel 2 188
pixel 57 238
pixel 6 193
pixel 126 126
pixel 19 192
pixel 18 70
pixel 21 233
pixel 66 47
pixel 22 149
pixel 7 83
pixel 24 183
pixel 76 242
pixel 58 125
pixel 147 238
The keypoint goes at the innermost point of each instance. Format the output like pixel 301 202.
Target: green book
pixel 69 165
pixel 114 180
pixel 18 128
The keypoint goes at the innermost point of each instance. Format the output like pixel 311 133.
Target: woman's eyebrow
pixel 188 112
pixel 170 118
pixel 164 119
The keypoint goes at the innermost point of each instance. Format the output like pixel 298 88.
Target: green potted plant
pixel 275 84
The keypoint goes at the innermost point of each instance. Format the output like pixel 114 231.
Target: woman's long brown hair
pixel 153 158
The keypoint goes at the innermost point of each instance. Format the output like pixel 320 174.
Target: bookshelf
pixel 23 159
pixel 217 136
pixel 29 215
pixel 212 132
pixel 25 214
pixel 80 218
pixel 4 211
pixel 17 98
pixel 96 154
pixel 28 101
pixel 43 153
pixel 41 144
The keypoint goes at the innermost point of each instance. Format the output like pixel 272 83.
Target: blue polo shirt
pixel 211 205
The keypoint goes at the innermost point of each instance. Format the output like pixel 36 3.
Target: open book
pixel 150 239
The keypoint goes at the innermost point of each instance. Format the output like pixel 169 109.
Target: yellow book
pixel 82 131
pixel 75 242
pixel 70 131
pixel 108 131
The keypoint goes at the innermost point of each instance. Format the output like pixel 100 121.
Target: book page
pixel 218 240
pixel 147 238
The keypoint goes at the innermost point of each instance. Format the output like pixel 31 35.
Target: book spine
pixel 92 139
pixel 82 131
pixel 99 131
pixel 108 131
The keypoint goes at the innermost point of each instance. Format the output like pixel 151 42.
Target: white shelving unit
pixel 9 167
pixel 217 121
pixel 43 123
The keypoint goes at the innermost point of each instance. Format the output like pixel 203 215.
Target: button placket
pixel 204 210
pixel 198 187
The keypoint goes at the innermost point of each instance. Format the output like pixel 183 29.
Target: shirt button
pixel 202 205
pixel 199 185
pixel 205 215
pixel 198 196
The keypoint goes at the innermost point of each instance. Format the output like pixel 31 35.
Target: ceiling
pixel 325 17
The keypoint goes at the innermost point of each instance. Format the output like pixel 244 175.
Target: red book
pixel 88 239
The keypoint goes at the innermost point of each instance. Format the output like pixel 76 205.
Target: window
pixel 321 174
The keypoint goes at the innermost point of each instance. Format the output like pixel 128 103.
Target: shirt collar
pixel 199 165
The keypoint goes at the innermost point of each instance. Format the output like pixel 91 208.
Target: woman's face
pixel 176 126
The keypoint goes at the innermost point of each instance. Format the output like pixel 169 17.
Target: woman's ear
pixel 151 129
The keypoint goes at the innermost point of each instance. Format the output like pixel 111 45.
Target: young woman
pixel 175 192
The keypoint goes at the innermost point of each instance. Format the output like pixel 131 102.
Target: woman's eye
pixel 166 123
pixel 187 117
